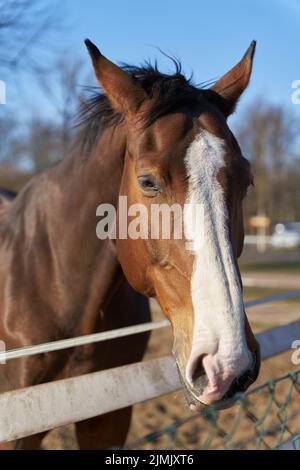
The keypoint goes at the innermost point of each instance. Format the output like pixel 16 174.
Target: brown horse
pixel 155 139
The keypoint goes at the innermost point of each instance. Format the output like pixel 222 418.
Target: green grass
pixel 251 293
pixel 292 267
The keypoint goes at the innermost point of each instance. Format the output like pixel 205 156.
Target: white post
pixel 261 240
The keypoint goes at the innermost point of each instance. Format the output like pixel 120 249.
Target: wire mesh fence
pixel 263 418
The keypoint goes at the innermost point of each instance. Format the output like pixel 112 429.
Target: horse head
pixel 181 153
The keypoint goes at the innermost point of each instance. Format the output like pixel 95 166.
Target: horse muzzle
pixel 199 394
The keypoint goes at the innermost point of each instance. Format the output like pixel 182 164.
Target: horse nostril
pixel 198 368
pixel 198 376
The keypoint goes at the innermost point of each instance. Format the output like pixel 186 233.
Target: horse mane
pixel 169 92
pixel 7 193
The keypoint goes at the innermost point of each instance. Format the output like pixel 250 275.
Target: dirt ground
pixel 150 416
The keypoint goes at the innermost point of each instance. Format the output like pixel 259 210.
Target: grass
pixel 251 293
pixel 288 267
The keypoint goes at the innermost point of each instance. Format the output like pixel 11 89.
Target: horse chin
pixel 189 394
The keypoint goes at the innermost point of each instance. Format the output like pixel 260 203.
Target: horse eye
pixel 148 184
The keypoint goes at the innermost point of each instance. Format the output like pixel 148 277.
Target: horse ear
pixel 124 93
pixel 231 86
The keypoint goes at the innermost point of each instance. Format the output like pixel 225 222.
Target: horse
pixel 154 139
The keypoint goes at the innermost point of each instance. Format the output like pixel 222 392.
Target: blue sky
pixel 209 36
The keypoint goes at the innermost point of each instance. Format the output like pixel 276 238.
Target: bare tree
pixel 24 24
pixel 269 137
pixel 28 38
pixel 63 89
pixel 43 144
pixel 9 140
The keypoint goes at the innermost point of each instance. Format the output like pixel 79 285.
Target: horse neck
pixel 59 225
pixel 85 185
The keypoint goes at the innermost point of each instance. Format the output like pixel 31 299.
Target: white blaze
pixel 216 291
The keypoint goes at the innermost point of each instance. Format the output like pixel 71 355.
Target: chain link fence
pixel 265 417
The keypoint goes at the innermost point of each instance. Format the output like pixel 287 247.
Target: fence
pixel 264 408
pixel 46 406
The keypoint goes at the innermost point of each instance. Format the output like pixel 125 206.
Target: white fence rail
pixel 117 333
pixel 256 239
pixel 47 406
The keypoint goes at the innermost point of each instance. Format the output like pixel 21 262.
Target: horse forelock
pixel 167 92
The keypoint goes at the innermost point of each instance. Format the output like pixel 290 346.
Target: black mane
pixel 7 193
pixel 169 92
